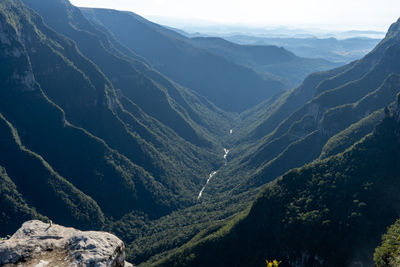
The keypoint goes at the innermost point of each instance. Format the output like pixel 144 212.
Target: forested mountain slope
pixel 388 253
pixel 175 108
pixel 117 159
pixel 36 127
pixel 344 97
pixel 328 213
pixel 317 83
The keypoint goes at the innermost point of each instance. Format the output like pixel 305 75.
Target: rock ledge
pixel 41 244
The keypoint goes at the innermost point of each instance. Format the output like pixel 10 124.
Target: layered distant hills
pixel 344 49
pixel 215 68
pixel 111 122
pixel 230 86
pixel 268 60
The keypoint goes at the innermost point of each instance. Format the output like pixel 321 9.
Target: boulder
pixel 45 244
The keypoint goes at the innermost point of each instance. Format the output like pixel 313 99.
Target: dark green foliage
pixel 13 208
pixel 152 240
pixel 388 253
pixel 346 138
pixel 42 187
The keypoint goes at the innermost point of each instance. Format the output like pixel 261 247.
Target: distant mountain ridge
pixel 268 60
pixel 332 49
pixel 273 67
pixel 211 76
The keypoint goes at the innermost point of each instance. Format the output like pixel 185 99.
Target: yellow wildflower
pixel 273 263
pixel 276 263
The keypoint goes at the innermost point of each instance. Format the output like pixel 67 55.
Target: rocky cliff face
pixel 43 244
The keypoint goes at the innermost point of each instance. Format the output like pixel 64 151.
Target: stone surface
pixel 40 244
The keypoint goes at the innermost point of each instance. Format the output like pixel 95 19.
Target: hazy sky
pixel 339 14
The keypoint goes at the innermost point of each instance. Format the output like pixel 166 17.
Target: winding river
pixel 226 152
pixel 208 180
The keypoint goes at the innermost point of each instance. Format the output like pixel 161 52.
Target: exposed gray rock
pixel 42 244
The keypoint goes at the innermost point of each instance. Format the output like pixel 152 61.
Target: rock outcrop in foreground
pixel 42 244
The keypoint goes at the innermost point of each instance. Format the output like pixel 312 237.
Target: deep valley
pixel 197 151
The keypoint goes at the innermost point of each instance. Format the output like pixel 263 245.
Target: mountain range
pixel 335 49
pixel 268 60
pixel 195 151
